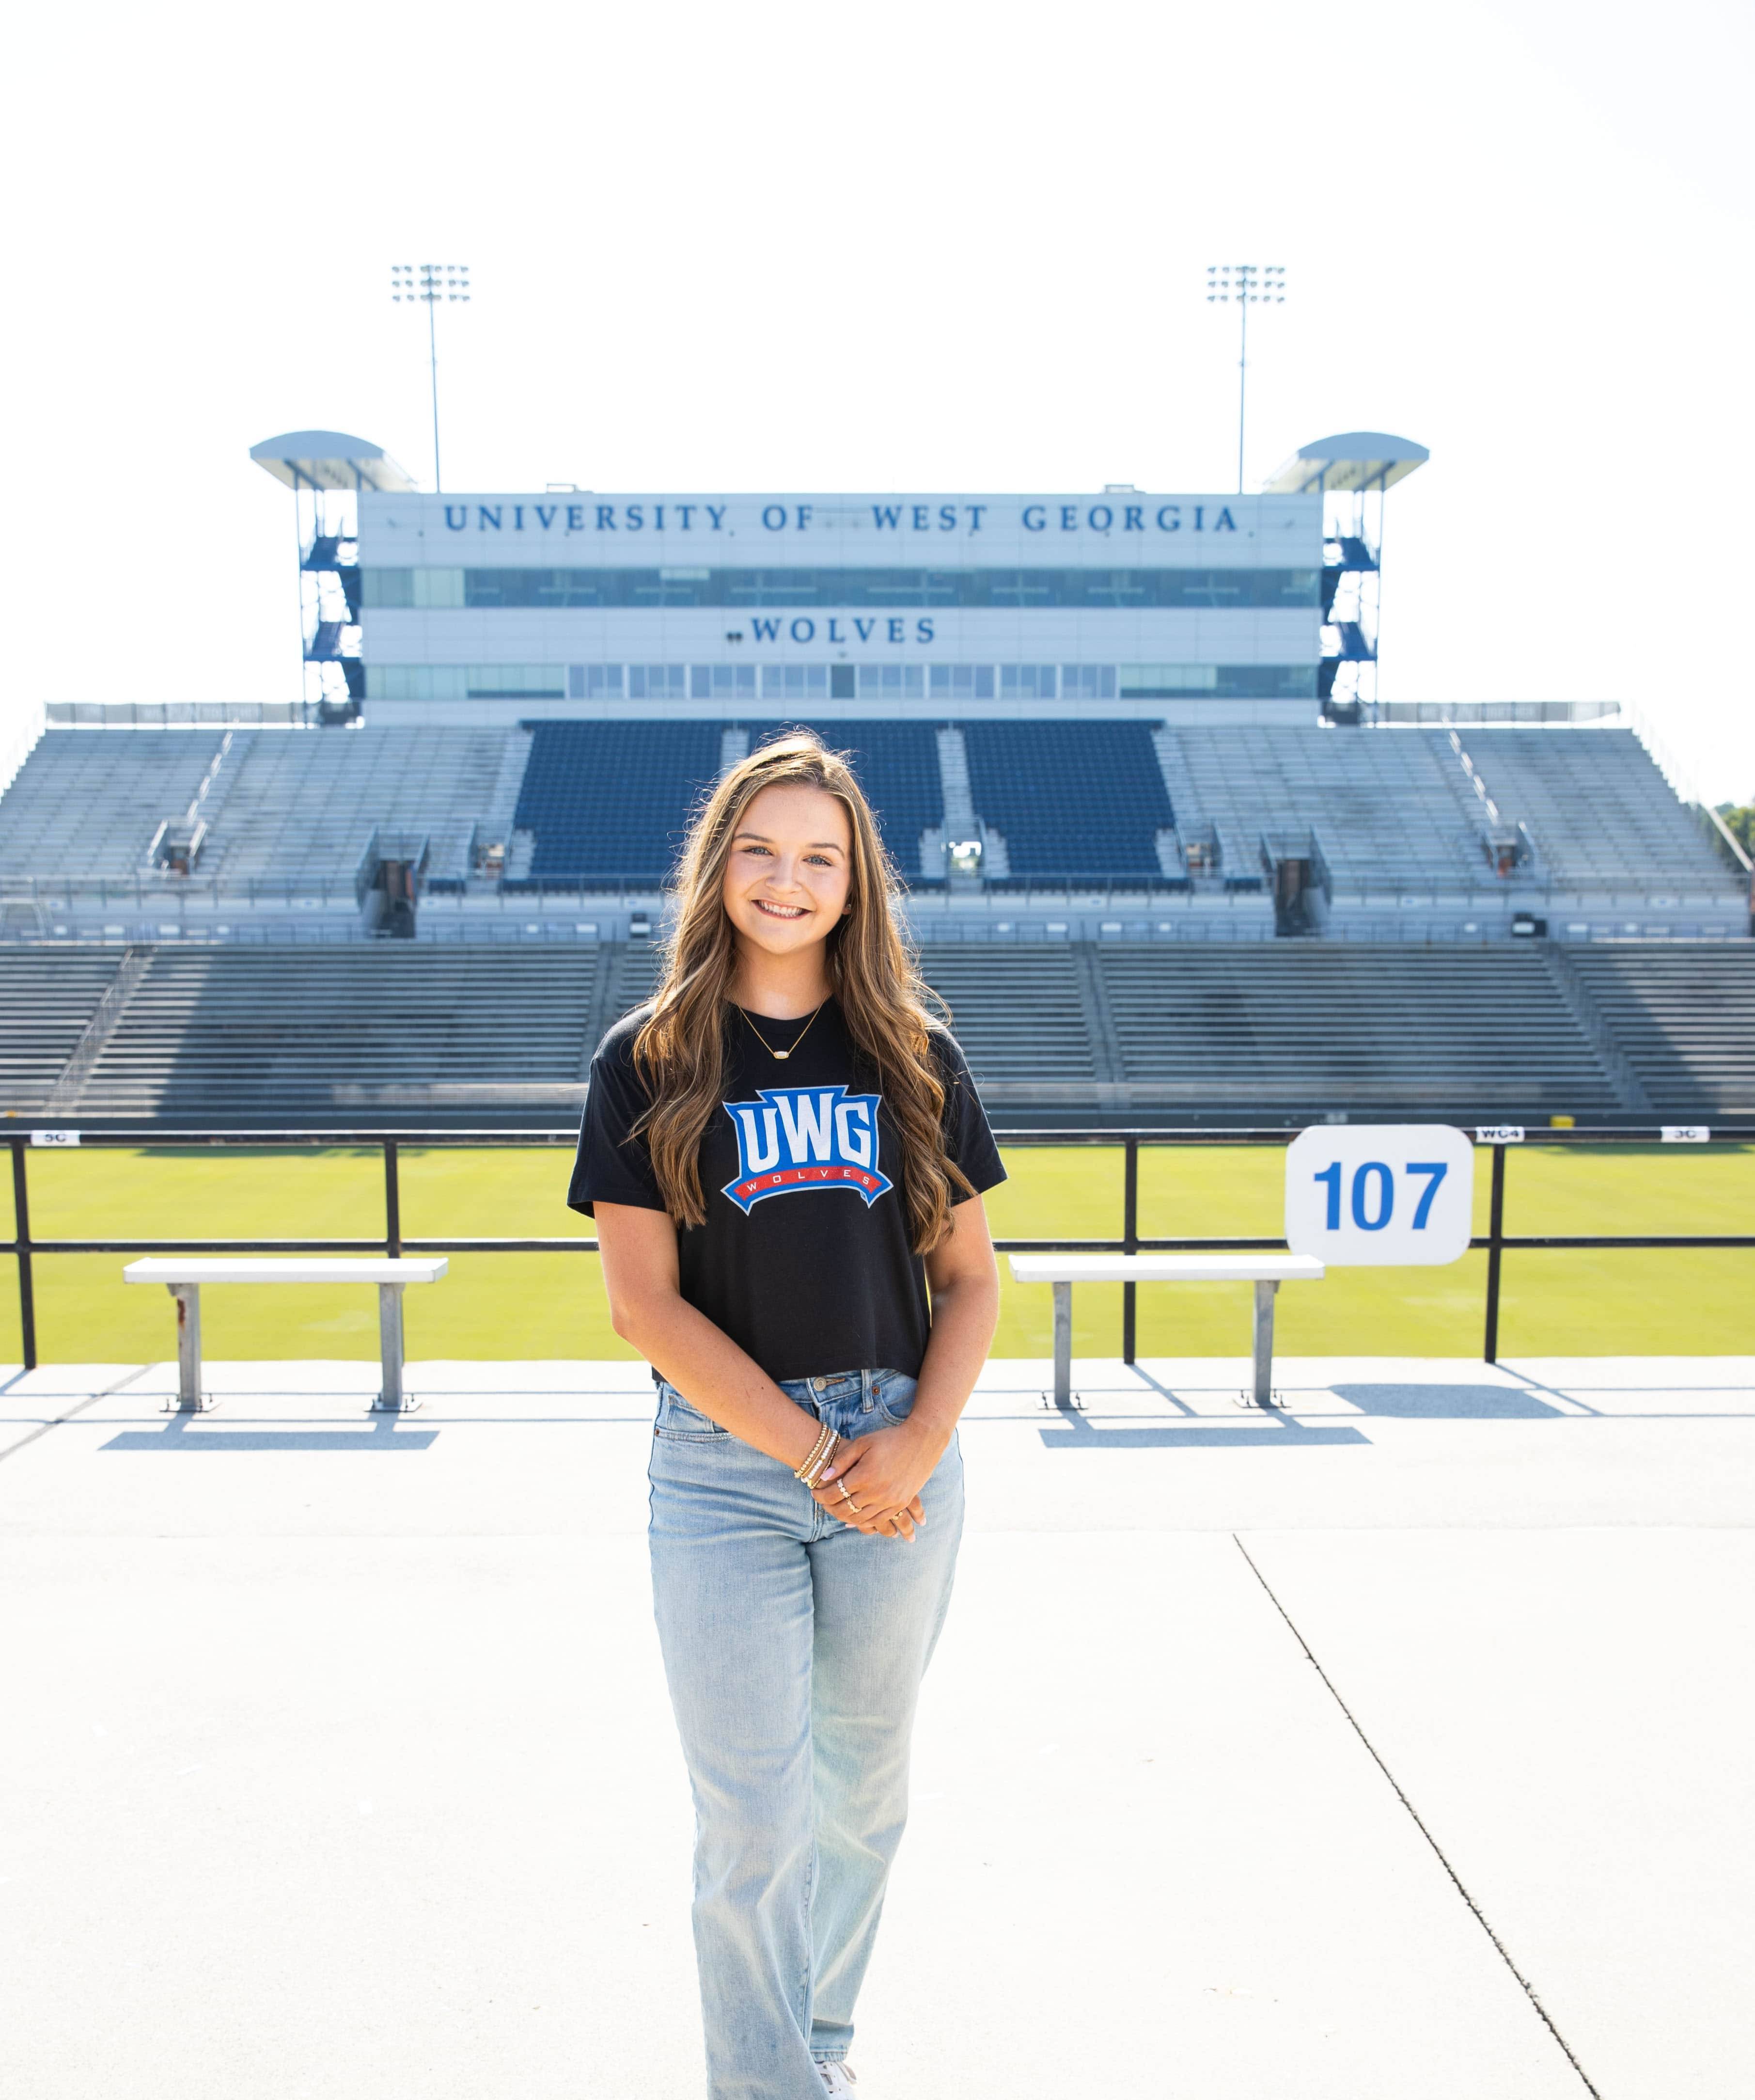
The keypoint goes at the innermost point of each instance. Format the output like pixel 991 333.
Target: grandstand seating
pixel 1022 1017
pixel 283 807
pixel 602 803
pixel 1312 1025
pixel 1600 813
pixel 1682 1013
pixel 1390 809
pixel 1074 800
pixel 86 802
pixel 47 997
pixel 1222 1029
pixel 265 1033
pixel 630 977
pixel 303 806
pixel 609 802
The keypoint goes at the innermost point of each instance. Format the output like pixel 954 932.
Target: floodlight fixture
pixel 1244 286
pixel 431 284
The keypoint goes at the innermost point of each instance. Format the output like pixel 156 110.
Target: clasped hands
pixel 884 1473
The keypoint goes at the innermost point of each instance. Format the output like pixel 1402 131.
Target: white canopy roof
pixel 1356 459
pixel 329 459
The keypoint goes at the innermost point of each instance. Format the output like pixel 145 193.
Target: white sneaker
pixel 836 2077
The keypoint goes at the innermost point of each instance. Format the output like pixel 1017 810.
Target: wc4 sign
pixel 1380 1195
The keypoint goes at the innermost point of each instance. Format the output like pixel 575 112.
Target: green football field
pixel 508 1305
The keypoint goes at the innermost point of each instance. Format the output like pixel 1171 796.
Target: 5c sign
pixel 1381 1195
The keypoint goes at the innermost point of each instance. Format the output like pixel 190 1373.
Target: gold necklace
pixel 780 1056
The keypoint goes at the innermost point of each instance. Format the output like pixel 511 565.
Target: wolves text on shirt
pixel 795 1138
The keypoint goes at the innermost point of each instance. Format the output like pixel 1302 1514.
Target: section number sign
pixel 1380 1195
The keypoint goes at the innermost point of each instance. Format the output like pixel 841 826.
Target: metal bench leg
pixel 188 1297
pixel 392 1399
pixel 1263 1394
pixel 1063 1345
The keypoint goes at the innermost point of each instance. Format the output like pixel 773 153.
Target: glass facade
pixel 467 682
pixel 1109 590
pixel 663 683
pixel 658 681
pixel 961 682
pixel 795 682
pixel 722 681
pixel 892 682
pixel 1224 682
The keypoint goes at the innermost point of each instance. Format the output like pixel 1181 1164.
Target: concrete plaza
pixel 1395 1748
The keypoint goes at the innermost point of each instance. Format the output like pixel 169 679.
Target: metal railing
pixel 1496 1242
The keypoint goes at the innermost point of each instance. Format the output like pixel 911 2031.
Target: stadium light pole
pixel 430 284
pixel 1244 286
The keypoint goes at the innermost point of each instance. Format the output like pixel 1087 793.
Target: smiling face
pixel 789 875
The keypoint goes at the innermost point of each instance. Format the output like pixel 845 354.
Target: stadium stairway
pixel 47 997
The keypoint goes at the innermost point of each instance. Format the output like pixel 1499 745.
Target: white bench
pixel 1267 1272
pixel 183 1275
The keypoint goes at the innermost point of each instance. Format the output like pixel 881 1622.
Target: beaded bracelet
pixel 821 1452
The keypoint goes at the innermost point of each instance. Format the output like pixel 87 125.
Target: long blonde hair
pixel 681 1050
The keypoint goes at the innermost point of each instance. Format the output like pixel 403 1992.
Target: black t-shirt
pixel 804 1259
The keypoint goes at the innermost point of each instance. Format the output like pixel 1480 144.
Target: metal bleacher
pixel 1020 1018
pixel 1074 800
pixel 1310 1025
pixel 86 803
pixel 1601 814
pixel 47 997
pixel 1682 1013
pixel 303 806
pixel 282 806
pixel 405 1031
pixel 265 1033
pixel 1390 809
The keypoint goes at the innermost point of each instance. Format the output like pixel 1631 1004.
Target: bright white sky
pixel 956 245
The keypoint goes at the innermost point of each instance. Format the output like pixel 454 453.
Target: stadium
pixel 440 1655
pixel 1167 856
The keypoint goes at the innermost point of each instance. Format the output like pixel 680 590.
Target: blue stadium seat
pixel 1074 802
pixel 609 802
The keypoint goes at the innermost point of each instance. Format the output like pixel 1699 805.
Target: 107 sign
pixel 1380 1195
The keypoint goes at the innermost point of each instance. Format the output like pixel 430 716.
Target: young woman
pixel 785 1156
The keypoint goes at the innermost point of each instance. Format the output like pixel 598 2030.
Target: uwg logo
pixel 805 1137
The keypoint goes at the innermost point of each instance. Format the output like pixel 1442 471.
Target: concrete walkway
pixel 336 1764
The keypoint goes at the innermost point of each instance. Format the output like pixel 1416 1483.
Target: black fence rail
pixel 1496 1242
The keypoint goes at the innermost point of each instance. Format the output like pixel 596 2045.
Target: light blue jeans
pixel 794 1647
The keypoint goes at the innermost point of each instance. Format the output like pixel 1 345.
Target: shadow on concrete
pixel 179 1434
pixel 1073 1432
pixel 1449 1403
